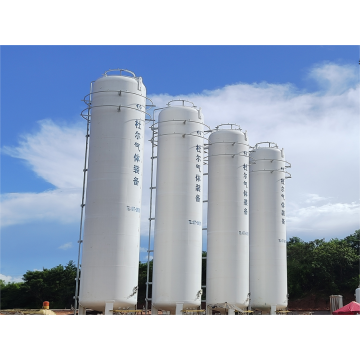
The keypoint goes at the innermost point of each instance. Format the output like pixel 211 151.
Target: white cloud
pixel 65 246
pixel 55 153
pixel 334 79
pixel 325 220
pixel 143 254
pixel 314 198
pixel 318 130
pixel 61 205
pixel 11 279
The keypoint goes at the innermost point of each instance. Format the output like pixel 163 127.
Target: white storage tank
pixel 110 260
pixel 227 273
pixel 176 280
pixel 268 266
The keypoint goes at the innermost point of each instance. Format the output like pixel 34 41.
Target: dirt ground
pixel 317 302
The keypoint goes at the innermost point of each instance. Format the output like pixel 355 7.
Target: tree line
pixel 56 285
pixel 318 266
pixel 323 267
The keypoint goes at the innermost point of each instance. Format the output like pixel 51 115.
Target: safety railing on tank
pixel 138 107
pixel 271 160
pixel 121 70
pixel 138 78
pixel 233 126
pixel 87 116
pixel 241 153
pixel 194 133
pixel 87 101
pixel 183 102
pixel 154 126
pixel 271 171
pixel 282 169
pixel 288 176
pixel 273 146
pixel 265 142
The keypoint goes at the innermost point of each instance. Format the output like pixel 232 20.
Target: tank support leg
pixel 154 311
pixel 208 310
pixel 82 310
pixel 179 308
pixel 109 307
pixel 231 312
pixel 273 310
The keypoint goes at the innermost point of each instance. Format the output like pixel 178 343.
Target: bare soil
pixel 317 302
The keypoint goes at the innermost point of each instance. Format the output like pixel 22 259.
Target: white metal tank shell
pixel 178 209
pixel 227 274
pixel 110 260
pixel 268 269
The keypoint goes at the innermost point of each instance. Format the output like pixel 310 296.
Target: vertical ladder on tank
pixel 205 163
pixel 87 117
pixel 151 217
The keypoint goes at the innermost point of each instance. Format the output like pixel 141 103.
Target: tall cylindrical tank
pixel 178 209
pixel 227 273
pixel 268 269
pixel 110 260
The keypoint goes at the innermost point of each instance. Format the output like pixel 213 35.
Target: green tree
pixel 353 241
pixel 325 267
pixel 203 274
pixel 299 259
pixel 55 285
pixel 334 266
pixel 142 283
pixel 12 295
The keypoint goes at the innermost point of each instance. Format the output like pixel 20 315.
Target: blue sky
pixel 305 98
